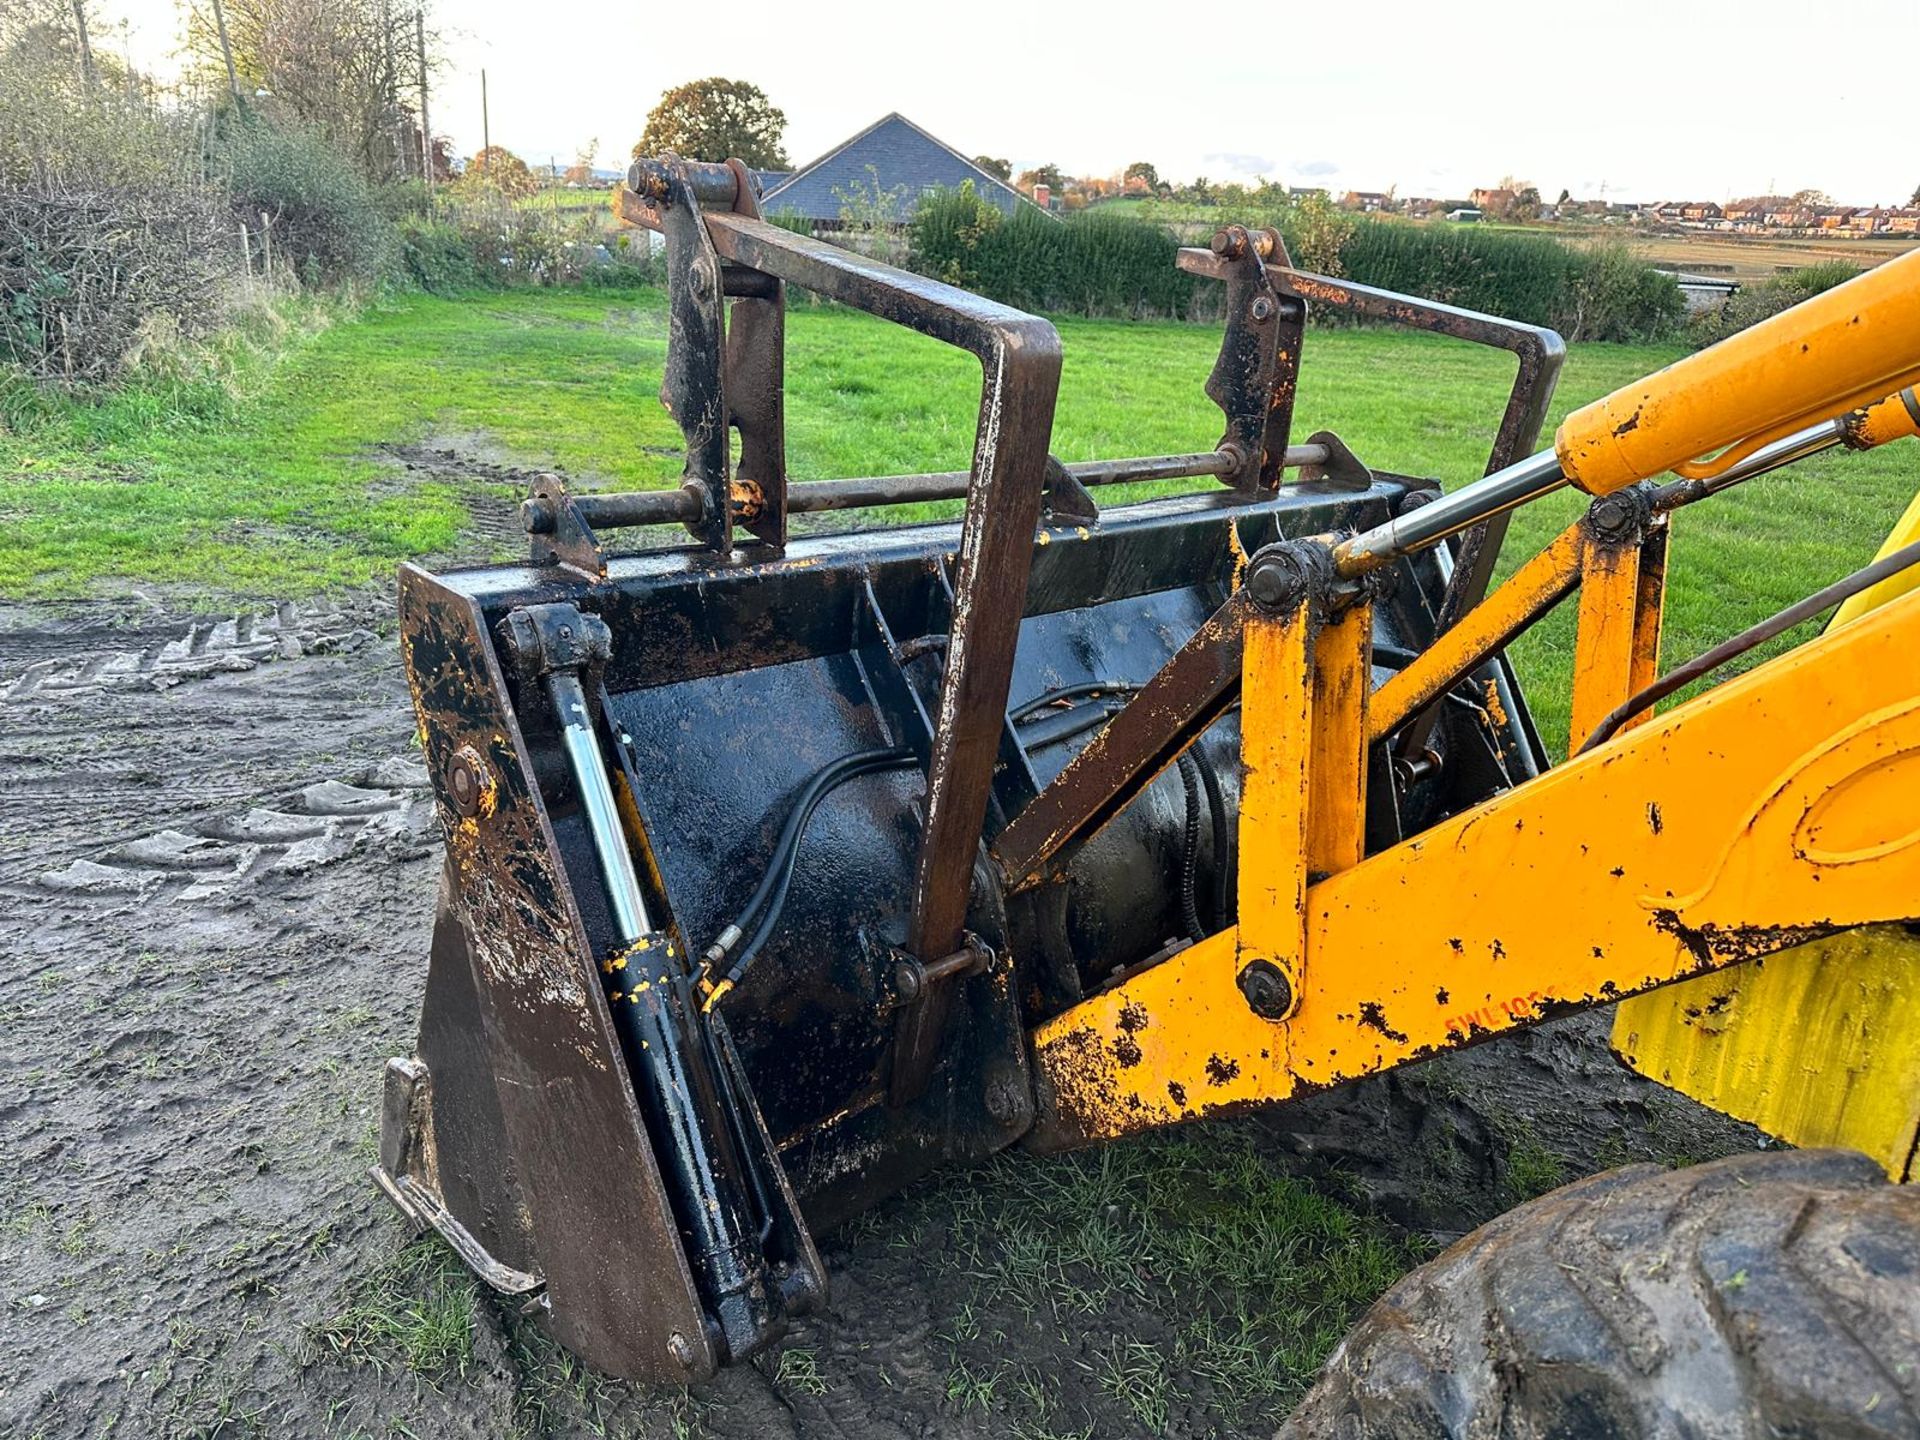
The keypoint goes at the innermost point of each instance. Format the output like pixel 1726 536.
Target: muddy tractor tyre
pixel 1764 1295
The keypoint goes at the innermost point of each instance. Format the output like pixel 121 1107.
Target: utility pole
pixel 390 88
pixel 86 47
pixel 486 137
pixel 426 129
pixel 226 47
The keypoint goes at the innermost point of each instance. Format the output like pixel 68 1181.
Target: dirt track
pixel 217 874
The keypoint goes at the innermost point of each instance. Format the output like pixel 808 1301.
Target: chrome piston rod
pixel 1533 477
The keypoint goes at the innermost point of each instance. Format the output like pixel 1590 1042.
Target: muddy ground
pixel 217 863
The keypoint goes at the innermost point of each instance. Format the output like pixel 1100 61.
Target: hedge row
pixel 1098 264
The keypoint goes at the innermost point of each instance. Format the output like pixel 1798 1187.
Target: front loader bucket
pixel 724 953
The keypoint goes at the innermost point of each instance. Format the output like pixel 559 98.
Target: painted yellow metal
pixel 1856 344
pixel 1649 612
pixel 1904 533
pixel 1337 769
pixel 1276 750
pixel 1774 808
pixel 1893 418
pixel 1606 638
pixel 1817 1045
pixel 1821 1045
pixel 1531 590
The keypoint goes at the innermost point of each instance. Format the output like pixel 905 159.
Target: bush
pixel 1098 263
pixel 1753 303
pixel 1090 263
pixel 87 274
pixel 108 237
pixel 487 241
pixel 1518 277
pixel 323 217
pixel 1613 294
pixel 439 258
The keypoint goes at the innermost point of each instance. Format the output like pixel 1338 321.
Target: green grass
pixel 281 489
pixel 1197 1274
pixel 414 1311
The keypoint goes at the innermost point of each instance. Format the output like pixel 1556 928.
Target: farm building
pixel 894 156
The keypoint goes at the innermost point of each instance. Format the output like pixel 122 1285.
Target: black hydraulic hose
pixel 1222 845
pixel 1070 692
pixel 1190 848
pixel 764 905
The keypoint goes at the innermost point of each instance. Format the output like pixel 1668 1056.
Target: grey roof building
pixel 906 161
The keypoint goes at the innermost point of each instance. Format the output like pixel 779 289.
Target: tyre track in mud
pixel 217 868
pixel 212 874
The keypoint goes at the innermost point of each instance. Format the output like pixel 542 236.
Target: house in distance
pixel 906 163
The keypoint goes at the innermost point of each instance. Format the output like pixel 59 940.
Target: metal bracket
pixel 694 386
pixel 1341 467
pixel 1251 381
pixel 1065 501
pixel 557 533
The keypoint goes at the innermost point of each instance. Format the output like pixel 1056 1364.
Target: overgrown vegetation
pixel 1087 264
pixel 112 237
pixel 1098 263
pixel 151 233
pixel 1754 303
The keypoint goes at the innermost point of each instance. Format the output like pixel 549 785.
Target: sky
pixel 1634 100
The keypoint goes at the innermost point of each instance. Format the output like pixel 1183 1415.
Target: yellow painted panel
pixel 1819 1045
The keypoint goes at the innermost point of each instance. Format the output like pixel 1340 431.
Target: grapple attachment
pixel 750 903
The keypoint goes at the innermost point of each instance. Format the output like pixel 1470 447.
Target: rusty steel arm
pixel 1165 715
pixel 621 509
pixel 1019 357
pixel 1540 353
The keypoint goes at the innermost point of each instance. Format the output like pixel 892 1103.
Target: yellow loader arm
pixel 1776 809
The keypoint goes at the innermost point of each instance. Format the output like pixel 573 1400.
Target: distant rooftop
pixel 904 160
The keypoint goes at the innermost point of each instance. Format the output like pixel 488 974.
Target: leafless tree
pixel 346 67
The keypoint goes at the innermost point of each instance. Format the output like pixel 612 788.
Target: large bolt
pixel 1229 243
pixel 539 516
pixel 1268 994
pixel 1005 1101
pixel 1275 579
pixel 680 1350
pixel 1620 518
pixel 1261 308
pixel 468 781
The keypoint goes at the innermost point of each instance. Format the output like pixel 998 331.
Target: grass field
pixel 285 490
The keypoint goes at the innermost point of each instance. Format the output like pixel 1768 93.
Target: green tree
pixel 498 168
pixel 995 166
pixel 1144 172
pixel 717 119
pixel 1050 175
pixel 1321 231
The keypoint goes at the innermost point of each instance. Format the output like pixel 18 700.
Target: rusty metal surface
pixel 754 384
pixel 1019 356
pixel 1183 698
pixel 1249 382
pixel 693 386
pixel 539 1027
pixel 622 509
